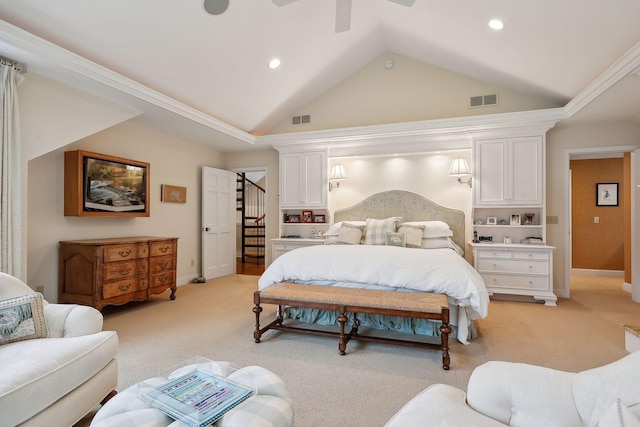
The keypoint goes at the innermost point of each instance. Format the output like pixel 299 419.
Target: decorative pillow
pixel 395 239
pixel 618 415
pixel 350 234
pixel 432 228
pixel 377 229
pixel 334 230
pixel 412 234
pixel 22 318
pixel 441 242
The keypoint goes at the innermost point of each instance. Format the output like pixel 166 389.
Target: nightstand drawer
pixel 536 283
pixel 493 253
pixel 511 266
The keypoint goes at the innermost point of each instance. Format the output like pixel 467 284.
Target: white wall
pixel 172 161
pixel 424 174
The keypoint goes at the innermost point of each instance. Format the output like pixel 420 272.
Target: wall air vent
pixel 483 100
pixel 305 119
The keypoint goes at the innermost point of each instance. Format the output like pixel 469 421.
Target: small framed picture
pixel 492 220
pixel 307 216
pixel 319 218
pixel 607 194
pixel 293 218
pixel 515 219
pixel 528 218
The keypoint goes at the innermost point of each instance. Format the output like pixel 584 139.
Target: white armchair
pixel 55 380
pixel 521 395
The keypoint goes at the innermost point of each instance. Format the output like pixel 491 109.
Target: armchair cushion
pixel 22 318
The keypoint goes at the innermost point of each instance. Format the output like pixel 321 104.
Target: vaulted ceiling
pixel 216 66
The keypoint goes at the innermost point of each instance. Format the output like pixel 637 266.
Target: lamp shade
pixel 459 167
pixel 337 173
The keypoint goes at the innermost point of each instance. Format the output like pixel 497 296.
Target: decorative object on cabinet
pixel 503 222
pixel 173 194
pixel 100 272
pixel 515 219
pixel 460 168
pixel 105 186
pixel 528 218
pixel 337 174
pixel 607 194
pixel 307 216
pixel 319 218
pixel 491 220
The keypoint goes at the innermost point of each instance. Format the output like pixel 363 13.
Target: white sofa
pixel 521 395
pixel 57 380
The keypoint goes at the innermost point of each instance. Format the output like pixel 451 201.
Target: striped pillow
pixel 377 229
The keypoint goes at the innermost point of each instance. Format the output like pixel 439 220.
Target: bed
pixel 375 260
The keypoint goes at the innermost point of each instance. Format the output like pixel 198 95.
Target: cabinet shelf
pixel 507 226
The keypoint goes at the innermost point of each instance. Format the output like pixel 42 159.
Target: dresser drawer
pixel 161 279
pixel 161 263
pixel 530 255
pixel 165 247
pixel 513 266
pixel 120 270
pixel 123 287
pixel 536 283
pixel 120 252
pixel 494 253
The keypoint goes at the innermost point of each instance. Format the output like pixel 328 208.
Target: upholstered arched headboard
pixel 409 206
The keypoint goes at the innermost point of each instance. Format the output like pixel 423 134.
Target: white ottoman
pixel 270 406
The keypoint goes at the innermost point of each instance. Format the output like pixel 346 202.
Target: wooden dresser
pixel 100 272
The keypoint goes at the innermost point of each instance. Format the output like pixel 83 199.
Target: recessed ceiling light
pixel 496 24
pixel 274 63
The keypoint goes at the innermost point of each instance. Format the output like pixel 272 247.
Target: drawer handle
pixel 124 288
pixel 163 279
pixel 164 265
pixel 125 272
pixel 124 254
pixel 165 249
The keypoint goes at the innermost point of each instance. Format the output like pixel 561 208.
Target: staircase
pixel 250 201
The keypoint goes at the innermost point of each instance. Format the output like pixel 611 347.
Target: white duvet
pixel 427 270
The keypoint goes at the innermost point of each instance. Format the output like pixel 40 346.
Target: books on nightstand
pixel 532 241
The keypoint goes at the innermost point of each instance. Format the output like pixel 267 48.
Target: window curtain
pixel 10 175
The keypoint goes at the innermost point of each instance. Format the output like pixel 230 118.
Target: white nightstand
pixel 282 245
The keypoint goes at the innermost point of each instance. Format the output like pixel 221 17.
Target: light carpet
pixel 372 381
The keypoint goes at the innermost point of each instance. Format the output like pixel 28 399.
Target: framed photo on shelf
pixel 515 219
pixel 293 218
pixel 528 218
pixel 492 220
pixel 319 218
pixel 307 216
pixel 607 194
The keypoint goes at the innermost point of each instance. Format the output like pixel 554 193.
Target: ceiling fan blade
pixel 343 15
pixel 407 3
pixel 282 2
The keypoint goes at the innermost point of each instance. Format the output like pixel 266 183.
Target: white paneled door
pixel 218 222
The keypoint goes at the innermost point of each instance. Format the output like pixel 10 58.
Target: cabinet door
pixel 525 169
pixel 490 172
pixel 290 184
pixel 303 180
pixel 314 179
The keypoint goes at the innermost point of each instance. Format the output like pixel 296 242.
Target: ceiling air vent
pixel 483 100
pixel 301 120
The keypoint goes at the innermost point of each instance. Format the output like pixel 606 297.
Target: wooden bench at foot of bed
pixel 350 300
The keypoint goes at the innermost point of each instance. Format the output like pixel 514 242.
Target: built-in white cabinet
pixel 516 269
pixel 303 180
pixel 508 171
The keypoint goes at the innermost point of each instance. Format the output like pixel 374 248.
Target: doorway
pixel 251 220
pixel 590 219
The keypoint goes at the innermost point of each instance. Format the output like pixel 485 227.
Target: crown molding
pixel 628 64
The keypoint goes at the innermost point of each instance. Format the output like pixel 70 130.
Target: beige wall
pixel 172 161
pixel 559 140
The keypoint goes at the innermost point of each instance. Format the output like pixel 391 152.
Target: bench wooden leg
pixel 257 310
pixel 445 330
pixel 342 319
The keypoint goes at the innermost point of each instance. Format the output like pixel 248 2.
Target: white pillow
pixel 618 415
pixel 334 230
pixel 376 230
pixel 350 234
pixel 432 228
pixel 412 234
pixel 441 242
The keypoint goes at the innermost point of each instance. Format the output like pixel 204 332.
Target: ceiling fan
pixel 343 11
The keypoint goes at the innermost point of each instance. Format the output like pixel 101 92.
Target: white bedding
pixel 411 269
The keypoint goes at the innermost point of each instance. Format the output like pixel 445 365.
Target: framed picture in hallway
pixel 607 194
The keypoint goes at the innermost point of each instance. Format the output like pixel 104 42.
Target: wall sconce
pixel 337 174
pixel 460 168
